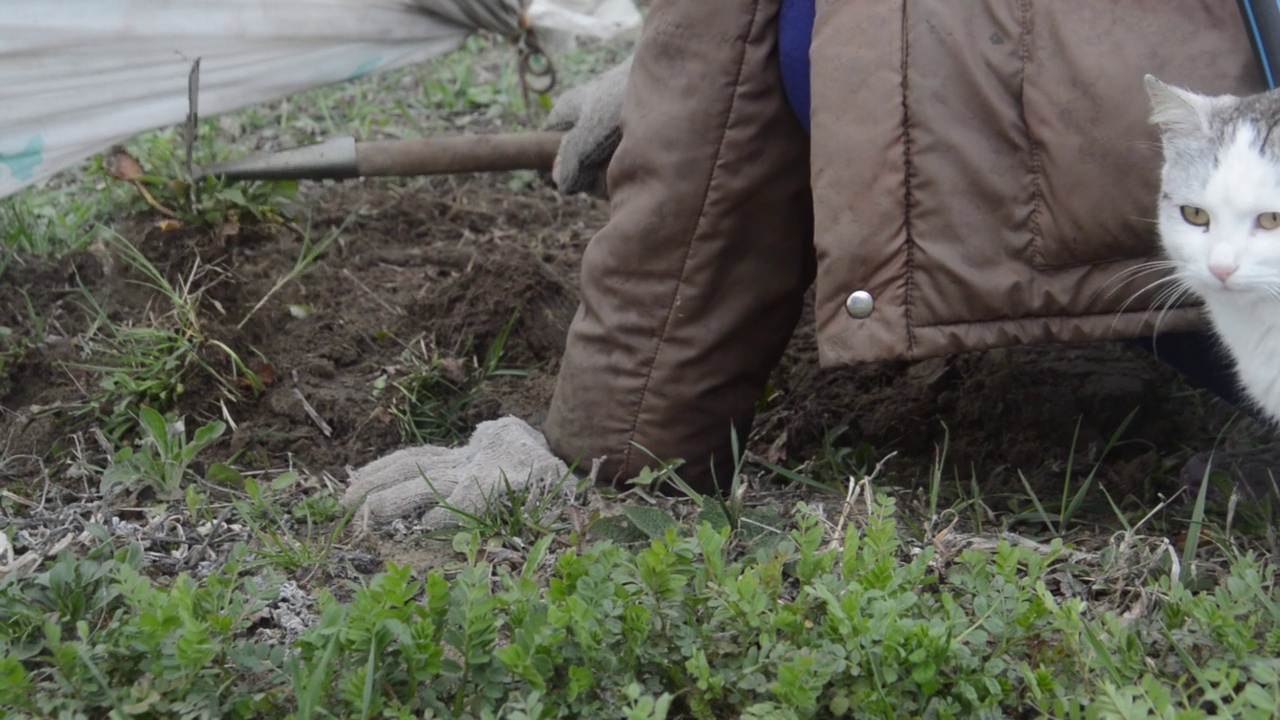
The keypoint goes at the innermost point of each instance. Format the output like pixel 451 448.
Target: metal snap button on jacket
pixel 859 304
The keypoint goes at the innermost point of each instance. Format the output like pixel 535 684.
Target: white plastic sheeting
pixel 77 76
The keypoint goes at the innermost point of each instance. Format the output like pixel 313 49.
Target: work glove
pixel 589 115
pixel 503 455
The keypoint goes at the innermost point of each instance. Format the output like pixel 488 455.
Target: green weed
pixel 1069 503
pixel 163 456
pixel 454 85
pixel 48 224
pixel 149 365
pixel 833 467
pixel 519 513
pixel 830 622
pixel 317 509
pixel 289 540
pixel 13 349
pixel 437 394
pixel 94 637
pixel 723 510
pixel 149 175
pixel 307 256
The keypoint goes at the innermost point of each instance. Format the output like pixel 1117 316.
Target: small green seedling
pixel 162 458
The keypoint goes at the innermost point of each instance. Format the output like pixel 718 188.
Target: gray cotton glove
pixel 502 454
pixel 589 115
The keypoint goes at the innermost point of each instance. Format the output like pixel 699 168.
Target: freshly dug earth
pixel 435 265
pixel 439 265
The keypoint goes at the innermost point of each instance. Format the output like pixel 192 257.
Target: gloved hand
pixel 589 115
pixel 501 454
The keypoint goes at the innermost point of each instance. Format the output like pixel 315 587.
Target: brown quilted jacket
pixel 985 171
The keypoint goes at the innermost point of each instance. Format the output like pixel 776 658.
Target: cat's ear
pixel 1176 110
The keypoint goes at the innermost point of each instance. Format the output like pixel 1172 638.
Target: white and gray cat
pixel 1219 221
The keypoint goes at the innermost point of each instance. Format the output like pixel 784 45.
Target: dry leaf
pixel 266 373
pixel 120 165
pixel 777 451
pixel 168 225
pixel 454 370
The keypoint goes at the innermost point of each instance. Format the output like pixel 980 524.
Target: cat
pixel 1219 222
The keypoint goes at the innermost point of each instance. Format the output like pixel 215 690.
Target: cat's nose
pixel 1222 271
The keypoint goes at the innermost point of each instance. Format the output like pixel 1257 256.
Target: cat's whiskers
pixel 1137 271
pixel 1145 144
pixel 1175 296
pixel 1128 275
pixel 1174 289
pixel 1165 280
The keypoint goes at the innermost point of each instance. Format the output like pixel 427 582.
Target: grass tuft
pixel 438 391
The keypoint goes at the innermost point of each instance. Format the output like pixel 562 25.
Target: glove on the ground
pixel 589 115
pixel 501 454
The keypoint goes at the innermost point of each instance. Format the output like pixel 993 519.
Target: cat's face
pixel 1219 208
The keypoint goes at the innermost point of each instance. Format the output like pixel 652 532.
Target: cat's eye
pixel 1269 221
pixel 1197 216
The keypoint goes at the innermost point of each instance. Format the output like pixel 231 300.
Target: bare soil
pixel 443 264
